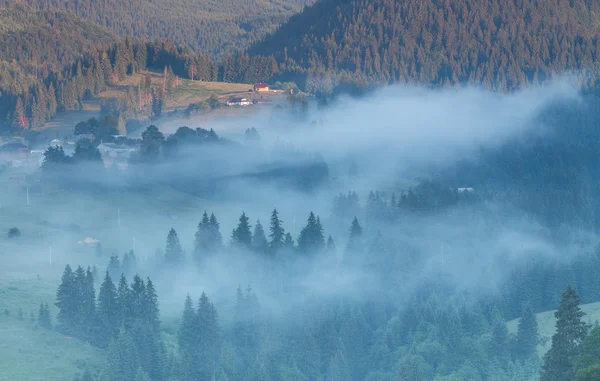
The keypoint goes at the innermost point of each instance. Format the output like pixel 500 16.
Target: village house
pixel 117 154
pixel 238 102
pixel 261 87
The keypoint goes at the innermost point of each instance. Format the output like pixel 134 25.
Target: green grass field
pixel 32 353
pixel 547 321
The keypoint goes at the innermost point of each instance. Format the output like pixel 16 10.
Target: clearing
pixel 546 324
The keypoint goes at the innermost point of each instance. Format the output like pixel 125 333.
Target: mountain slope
pixel 501 44
pixel 547 324
pixel 46 40
pixel 208 25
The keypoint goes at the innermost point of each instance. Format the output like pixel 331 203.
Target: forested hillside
pixel 501 44
pixel 209 26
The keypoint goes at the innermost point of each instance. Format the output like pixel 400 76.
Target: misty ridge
pixel 417 222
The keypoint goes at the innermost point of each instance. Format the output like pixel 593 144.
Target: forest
pixel 375 288
pixel 503 45
pixel 212 26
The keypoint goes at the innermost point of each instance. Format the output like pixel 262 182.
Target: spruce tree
pixel 202 238
pixel 277 233
pixel 288 243
pixel 216 237
pixel 242 237
pixel 138 291
pixel 124 300
pixel 311 239
pixel 150 304
pixel 560 361
pixel 355 239
pixel 499 342
pixel 174 254
pixel 187 338
pixel 107 312
pixel 44 319
pixel 588 362
pixel 259 240
pixel 114 267
pixel 209 337
pixel 527 336
pixel 66 301
pixel 89 306
pixel 330 245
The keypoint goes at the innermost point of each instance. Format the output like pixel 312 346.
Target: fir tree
pixel 588 362
pixel 174 254
pixel 89 306
pixel 129 263
pixel 44 319
pixel 242 237
pixel 209 338
pixel 330 244
pixel 259 240
pixel 560 360
pixel 151 310
pixel 216 237
pixel 202 238
pixel 188 338
pixel 311 239
pixel 527 337
pixel 107 312
pixel 288 243
pixel 277 233
pixel 66 301
pixel 114 267
pixel 124 300
pixel 355 239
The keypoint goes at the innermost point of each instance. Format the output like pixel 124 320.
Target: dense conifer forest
pixel 209 26
pixel 499 44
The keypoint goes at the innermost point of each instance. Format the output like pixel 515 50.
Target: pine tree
pixel 174 254
pixel 151 310
pixel 138 290
pixel 311 239
pixel 527 337
pixel 499 342
pixel 288 243
pixel 107 312
pixel 209 338
pixel 114 267
pixel 124 300
pixel 560 360
pixel 129 263
pixel 330 245
pixel 217 238
pixel 259 240
pixel 202 238
pixel 89 306
pixel 51 99
pixel 277 233
pixel 66 301
pixel 242 237
pixel 122 358
pixel 20 119
pixel 589 356
pixel 355 239
pixel 188 338
pixel 44 319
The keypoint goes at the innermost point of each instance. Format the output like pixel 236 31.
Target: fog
pixel 394 137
